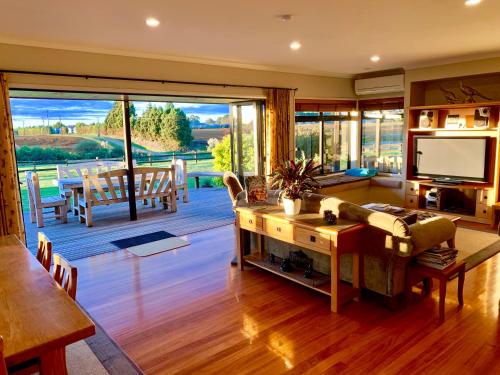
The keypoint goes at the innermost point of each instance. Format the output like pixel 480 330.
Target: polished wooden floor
pixel 188 312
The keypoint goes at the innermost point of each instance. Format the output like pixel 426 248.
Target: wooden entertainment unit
pixel 472 200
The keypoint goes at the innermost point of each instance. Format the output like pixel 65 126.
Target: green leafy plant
pixel 295 178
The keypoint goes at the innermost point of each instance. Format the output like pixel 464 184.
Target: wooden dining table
pixel 38 319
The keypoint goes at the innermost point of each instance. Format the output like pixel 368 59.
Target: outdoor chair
pixel 37 204
pixel 109 188
pixel 181 179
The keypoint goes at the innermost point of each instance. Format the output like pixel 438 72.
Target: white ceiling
pixel 338 36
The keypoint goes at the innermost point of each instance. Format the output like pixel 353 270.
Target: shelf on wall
pixel 492 131
pixel 455 106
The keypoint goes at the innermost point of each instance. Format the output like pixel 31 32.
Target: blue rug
pixel 142 239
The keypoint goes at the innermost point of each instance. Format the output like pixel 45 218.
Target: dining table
pixel 38 319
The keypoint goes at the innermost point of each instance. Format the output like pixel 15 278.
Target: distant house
pixel 71 129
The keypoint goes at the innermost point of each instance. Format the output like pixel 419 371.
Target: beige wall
pixel 14 57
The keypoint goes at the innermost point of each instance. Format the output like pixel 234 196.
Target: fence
pixel 146 159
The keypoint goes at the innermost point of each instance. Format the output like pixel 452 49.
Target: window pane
pixel 336 146
pixel 382 140
pixel 307 141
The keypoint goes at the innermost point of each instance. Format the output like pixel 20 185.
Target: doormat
pixel 126 243
pixel 156 247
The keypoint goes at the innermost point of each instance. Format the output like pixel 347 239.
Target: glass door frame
pixel 237 139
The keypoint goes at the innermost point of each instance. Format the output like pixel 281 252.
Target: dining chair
pixel 44 251
pixel 3 367
pixel 65 275
pixel 37 203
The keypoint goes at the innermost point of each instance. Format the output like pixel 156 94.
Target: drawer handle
pixel 312 238
pixel 278 229
pixel 484 211
pixel 411 189
pixel 250 221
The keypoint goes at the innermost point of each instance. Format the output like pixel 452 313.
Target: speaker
pixel 428 119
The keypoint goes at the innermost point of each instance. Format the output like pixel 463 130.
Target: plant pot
pixel 292 206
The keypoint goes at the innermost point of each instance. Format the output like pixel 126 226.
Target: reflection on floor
pixel 188 311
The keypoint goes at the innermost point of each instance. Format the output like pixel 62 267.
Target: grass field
pixel 48 189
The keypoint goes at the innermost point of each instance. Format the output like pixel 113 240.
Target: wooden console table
pixel 309 231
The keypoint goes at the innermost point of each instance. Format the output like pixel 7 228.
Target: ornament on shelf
pixel 450 96
pixel 470 93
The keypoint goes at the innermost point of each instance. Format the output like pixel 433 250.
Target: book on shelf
pixel 439 258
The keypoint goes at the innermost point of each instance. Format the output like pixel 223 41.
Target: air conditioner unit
pixel 380 85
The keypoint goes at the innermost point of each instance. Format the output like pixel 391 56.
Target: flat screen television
pixel 454 158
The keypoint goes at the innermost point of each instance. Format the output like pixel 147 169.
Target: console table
pixel 309 231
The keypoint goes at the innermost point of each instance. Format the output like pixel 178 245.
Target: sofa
pixel 388 244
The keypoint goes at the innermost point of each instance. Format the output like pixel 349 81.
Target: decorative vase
pixel 292 206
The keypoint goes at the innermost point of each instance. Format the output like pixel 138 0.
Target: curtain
pixel 280 120
pixel 11 216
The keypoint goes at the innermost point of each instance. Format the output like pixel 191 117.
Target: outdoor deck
pixel 207 208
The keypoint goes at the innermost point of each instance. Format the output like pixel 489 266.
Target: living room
pixel 346 219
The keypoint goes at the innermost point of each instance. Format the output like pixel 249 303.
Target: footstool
pixel 417 273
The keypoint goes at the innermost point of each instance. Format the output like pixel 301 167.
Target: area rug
pixel 476 246
pixel 156 247
pixel 109 354
pixel 127 243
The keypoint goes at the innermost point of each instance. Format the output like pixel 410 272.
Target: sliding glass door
pixel 246 138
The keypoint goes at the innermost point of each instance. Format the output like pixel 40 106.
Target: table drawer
pixel 411 201
pixel 485 196
pixel 483 211
pixel 278 229
pixel 412 188
pixel 312 239
pixel 250 222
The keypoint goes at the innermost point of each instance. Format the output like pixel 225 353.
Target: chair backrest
pixel 180 171
pixel 89 168
pixel 105 187
pixel 65 275
pixel 153 182
pixel 44 251
pixel 3 367
pixel 33 185
pixel 233 185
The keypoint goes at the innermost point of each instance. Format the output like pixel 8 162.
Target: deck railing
pixel 146 159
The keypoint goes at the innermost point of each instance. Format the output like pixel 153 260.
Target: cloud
pixel 29 112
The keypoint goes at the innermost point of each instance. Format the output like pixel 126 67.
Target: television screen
pixel 451 157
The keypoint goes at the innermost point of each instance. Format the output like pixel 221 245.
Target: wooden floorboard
pixel 188 311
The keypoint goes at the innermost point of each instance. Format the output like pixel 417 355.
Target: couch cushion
pixel 381 220
pixel 431 232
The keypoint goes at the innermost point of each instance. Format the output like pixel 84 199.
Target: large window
pixel 326 137
pixel 382 140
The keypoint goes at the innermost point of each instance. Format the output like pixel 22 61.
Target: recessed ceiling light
pixel 295 45
pixel 285 17
pixel 375 58
pixel 471 3
pixel 152 22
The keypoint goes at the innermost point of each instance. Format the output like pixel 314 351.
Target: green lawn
pixel 48 189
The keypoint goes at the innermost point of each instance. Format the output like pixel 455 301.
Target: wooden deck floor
pixel 207 208
pixel 188 311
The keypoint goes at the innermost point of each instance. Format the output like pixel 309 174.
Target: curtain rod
pixel 162 81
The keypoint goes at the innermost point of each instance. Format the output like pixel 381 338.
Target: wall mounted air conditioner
pixel 380 85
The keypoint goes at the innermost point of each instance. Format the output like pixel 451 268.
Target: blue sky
pixel 28 112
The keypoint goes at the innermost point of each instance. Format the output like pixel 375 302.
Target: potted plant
pixel 294 179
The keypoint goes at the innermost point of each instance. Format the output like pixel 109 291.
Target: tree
pixel 113 124
pixel 194 120
pixel 169 125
